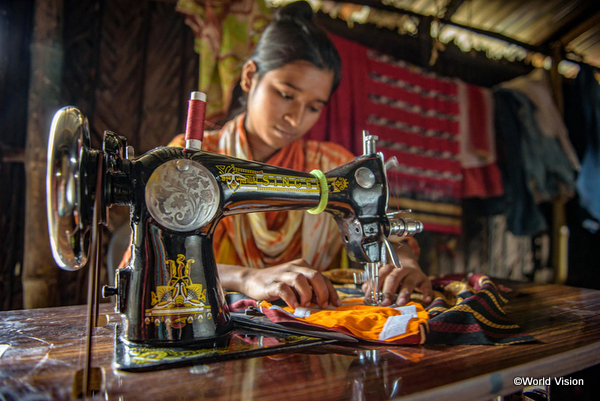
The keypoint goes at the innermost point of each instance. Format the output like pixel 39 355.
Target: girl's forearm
pixel 233 277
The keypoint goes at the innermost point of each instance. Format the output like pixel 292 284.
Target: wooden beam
pixel 425 39
pixel 579 30
pixel 40 273
pixel 545 48
pixel 451 7
pixel 582 23
pixel 379 6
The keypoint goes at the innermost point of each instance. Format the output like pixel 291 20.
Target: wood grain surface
pixel 41 350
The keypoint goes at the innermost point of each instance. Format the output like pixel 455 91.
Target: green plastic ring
pixel 319 175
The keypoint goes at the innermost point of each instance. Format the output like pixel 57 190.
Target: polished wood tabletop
pixel 41 349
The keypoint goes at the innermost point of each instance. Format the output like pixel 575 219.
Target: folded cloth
pixel 400 325
pixel 468 310
pixel 465 310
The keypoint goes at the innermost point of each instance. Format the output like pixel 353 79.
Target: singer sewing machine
pixel 170 296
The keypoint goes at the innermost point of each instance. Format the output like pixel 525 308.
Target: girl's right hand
pixel 296 282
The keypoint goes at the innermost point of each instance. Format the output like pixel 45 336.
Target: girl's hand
pixel 295 282
pixel 406 279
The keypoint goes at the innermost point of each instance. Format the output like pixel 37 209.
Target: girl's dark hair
pixel 293 35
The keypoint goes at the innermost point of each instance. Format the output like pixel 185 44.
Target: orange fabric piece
pixel 363 321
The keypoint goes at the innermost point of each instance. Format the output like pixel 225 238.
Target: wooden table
pixel 43 348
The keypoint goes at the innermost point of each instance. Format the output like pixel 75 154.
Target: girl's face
pixel 283 104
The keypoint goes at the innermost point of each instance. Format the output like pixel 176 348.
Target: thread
pixel 194 130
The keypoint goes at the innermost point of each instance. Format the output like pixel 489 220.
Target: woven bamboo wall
pixel 129 66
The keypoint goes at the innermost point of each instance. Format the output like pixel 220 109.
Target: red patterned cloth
pixel 481 175
pixel 415 115
pixel 420 118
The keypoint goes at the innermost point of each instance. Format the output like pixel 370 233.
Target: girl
pixel 288 81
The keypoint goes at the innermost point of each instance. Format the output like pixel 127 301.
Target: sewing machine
pixel 170 295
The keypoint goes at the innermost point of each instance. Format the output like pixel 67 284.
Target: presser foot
pixel 373 298
pixel 371 275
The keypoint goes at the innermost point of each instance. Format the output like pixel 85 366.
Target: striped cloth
pixel 469 310
pixel 416 114
pixel 440 129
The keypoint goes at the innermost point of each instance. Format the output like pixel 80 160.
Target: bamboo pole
pixel 560 231
pixel 40 272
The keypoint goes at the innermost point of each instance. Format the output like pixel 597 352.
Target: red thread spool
pixel 194 130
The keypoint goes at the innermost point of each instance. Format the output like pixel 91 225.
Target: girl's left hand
pixel 406 279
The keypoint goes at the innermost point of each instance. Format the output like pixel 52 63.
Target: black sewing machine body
pixel 170 292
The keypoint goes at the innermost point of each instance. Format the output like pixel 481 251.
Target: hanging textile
pixel 536 86
pixel 582 117
pixel 417 116
pixel 533 164
pixel 343 120
pixel 511 256
pixel 522 214
pixel 226 32
pixel 481 176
